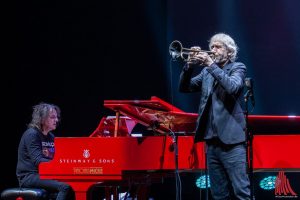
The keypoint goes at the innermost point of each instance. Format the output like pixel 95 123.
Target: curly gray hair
pixel 228 42
pixel 40 113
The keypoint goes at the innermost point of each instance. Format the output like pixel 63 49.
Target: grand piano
pixel 147 140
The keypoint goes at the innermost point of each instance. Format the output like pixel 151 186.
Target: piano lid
pixel 155 114
pixel 164 118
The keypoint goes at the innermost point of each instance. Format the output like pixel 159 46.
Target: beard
pixel 221 59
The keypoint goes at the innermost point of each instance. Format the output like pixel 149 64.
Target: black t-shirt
pixel 34 148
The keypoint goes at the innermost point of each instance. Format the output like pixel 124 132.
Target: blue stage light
pixel 268 183
pixel 201 182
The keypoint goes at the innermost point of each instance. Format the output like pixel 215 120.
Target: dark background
pixel 78 53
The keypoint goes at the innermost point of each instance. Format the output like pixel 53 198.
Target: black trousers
pixel 63 190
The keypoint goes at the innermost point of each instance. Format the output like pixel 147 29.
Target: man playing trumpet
pixel 221 122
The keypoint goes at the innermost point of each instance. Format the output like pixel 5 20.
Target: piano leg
pixel 80 195
pixel 80 189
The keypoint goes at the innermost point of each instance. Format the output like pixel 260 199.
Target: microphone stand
pixel 177 177
pixel 249 139
pixel 154 126
pixel 174 138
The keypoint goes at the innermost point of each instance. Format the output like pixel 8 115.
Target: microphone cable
pixel 177 175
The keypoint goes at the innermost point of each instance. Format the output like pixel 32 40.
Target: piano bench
pixel 25 194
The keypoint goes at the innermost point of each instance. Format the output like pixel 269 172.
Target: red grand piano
pixel 138 143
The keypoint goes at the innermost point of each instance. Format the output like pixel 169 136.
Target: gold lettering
pixel 87 170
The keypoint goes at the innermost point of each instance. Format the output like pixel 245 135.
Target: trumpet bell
pixel 177 51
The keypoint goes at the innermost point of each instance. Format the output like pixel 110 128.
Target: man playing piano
pixel 221 121
pixel 36 146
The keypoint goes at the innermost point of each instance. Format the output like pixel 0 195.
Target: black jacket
pixel 225 88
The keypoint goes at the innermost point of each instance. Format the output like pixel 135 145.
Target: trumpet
pixel 177 51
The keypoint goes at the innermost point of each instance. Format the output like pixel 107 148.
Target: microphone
pixel 249 85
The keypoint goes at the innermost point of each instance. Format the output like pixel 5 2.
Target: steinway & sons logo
pixel 87 159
